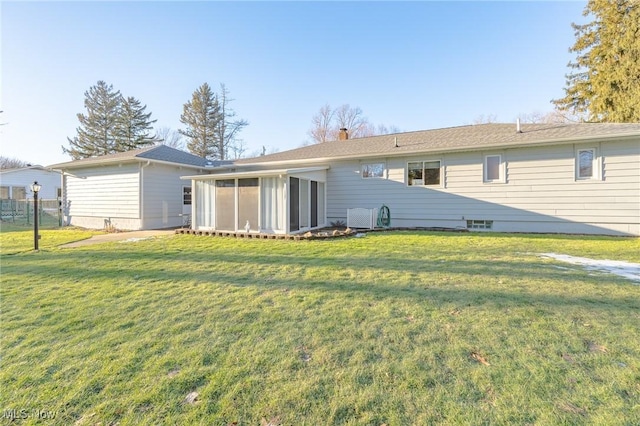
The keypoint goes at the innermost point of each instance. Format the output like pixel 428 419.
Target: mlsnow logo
pixel 13 414
pixel 22 414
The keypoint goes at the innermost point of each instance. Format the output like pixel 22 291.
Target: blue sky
pixel 414 65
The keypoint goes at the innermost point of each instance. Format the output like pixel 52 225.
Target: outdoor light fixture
pixel 35 187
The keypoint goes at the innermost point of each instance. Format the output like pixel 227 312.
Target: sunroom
pixel 286 201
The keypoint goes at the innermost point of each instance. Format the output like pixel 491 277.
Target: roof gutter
pixel 170 163
pixel 82 165
pixel 63 172
pixel 254 173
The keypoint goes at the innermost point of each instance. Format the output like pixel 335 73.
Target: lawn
pixel 395 328
pixel 14 239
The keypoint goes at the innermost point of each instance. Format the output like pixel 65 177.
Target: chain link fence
pixel 20 213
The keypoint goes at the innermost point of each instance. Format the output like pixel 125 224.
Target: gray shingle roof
pixel 155 153
pixel 472 137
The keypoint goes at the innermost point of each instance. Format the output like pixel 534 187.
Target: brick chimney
pixel 344 135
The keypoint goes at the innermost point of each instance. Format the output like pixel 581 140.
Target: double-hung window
pixel 186 195
pixel 494 169
pixel 424 173
pixel 586 164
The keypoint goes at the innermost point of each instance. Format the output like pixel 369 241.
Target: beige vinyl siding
pixel 540 192
pixel 104 192
pixel 347 189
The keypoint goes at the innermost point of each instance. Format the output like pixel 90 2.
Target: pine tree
pixel 605 83
pixel 97 133
pixel 134 125
pixel 202 116
pixel 112 124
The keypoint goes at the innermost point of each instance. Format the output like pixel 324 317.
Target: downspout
pixel 141 194
pixel 62 202
pixel 286 204
pixel 194 206
pixel 259 204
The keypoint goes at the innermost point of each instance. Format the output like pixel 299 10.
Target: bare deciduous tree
pixel 228 128
pixel 236 150
pixel 482 119
pixel 532 117
pixel 11 163
pixel 547 118
pixel 321 125
pixel 169 137
pixel 384 130
pixel 354 121
pixel 327 122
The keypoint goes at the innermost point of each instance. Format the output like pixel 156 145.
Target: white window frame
pixel 479 224
pixel 190 195
pixel 371 166
pixel 595 165
pixel 431 185
pixel 501 169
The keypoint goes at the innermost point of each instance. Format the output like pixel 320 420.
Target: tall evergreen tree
pixel 202 116
pixel 98 130
pixel 112 124
pixel 134 125
pixel 605 83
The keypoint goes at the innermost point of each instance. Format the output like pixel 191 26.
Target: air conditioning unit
pixel 362 218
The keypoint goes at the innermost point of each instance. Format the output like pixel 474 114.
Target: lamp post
pixel 35 187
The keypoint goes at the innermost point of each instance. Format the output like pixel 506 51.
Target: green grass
pixel 358 331
pixel 14 239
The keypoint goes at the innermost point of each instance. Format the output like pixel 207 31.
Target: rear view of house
pixel 581 178
pixel 139 189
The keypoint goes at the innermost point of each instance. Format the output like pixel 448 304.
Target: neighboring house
pixel 139 189
pixel 557 178
pixel 15 184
